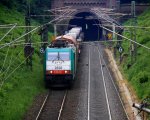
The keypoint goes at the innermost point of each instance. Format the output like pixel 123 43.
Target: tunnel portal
pixel 89 24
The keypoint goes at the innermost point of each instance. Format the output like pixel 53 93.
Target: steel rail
pixel 114 85
pixel 44 103
pixel 62 106
pixel 104 83
pixel 89 85
pixel 106 95
pixel 41 108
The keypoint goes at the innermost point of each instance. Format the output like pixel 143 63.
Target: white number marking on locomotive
pixel 58 67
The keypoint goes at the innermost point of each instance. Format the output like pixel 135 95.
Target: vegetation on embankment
pixel 21 84
pixel 138 71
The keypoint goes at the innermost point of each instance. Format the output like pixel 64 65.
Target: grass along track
pixel 21 87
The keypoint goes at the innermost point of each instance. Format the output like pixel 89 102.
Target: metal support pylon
pixel 28 50
pixel 133 46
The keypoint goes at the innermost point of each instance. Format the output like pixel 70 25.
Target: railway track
pixel 95 108
pixel 93 96
pixel 52 106
pixel 94 104
pixel 111 79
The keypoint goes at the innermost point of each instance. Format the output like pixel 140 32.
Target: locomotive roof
pixel 68 38
pixel 58 49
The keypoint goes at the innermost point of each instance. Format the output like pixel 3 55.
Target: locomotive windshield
pixel 52 56
pixel 63 56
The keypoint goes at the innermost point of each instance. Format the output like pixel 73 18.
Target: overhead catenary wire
pixel 125 38
pixel 66 7
pixel 11 63
pixel 1 85
pixel 106 18
pixel 23 43
pixel 21 26
pixel 103 16
pixel 141 27
pixel 68 12
pixel 8 32
pixel 5 59
pixel 16 40
pixel 7 44
pixel 53 16
pixel 13 43
pixel 7 25
pixel 27 44
pixel 60 18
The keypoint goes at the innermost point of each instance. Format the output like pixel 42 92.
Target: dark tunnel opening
pixel 89 24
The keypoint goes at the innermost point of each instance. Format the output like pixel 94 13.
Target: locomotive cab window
pixel 65 56
pixel 59 56
pixel 52 56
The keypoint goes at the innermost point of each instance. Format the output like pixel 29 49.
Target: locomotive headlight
pixel 66 71
pixel 51 72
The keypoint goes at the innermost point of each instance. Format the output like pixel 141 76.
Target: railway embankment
pixel 137 67
pixel 125 89
pixel 133 72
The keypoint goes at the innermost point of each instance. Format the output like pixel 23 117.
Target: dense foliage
pixel 18 84
pixel 137 71
pixel 21 86
pixel 36 5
